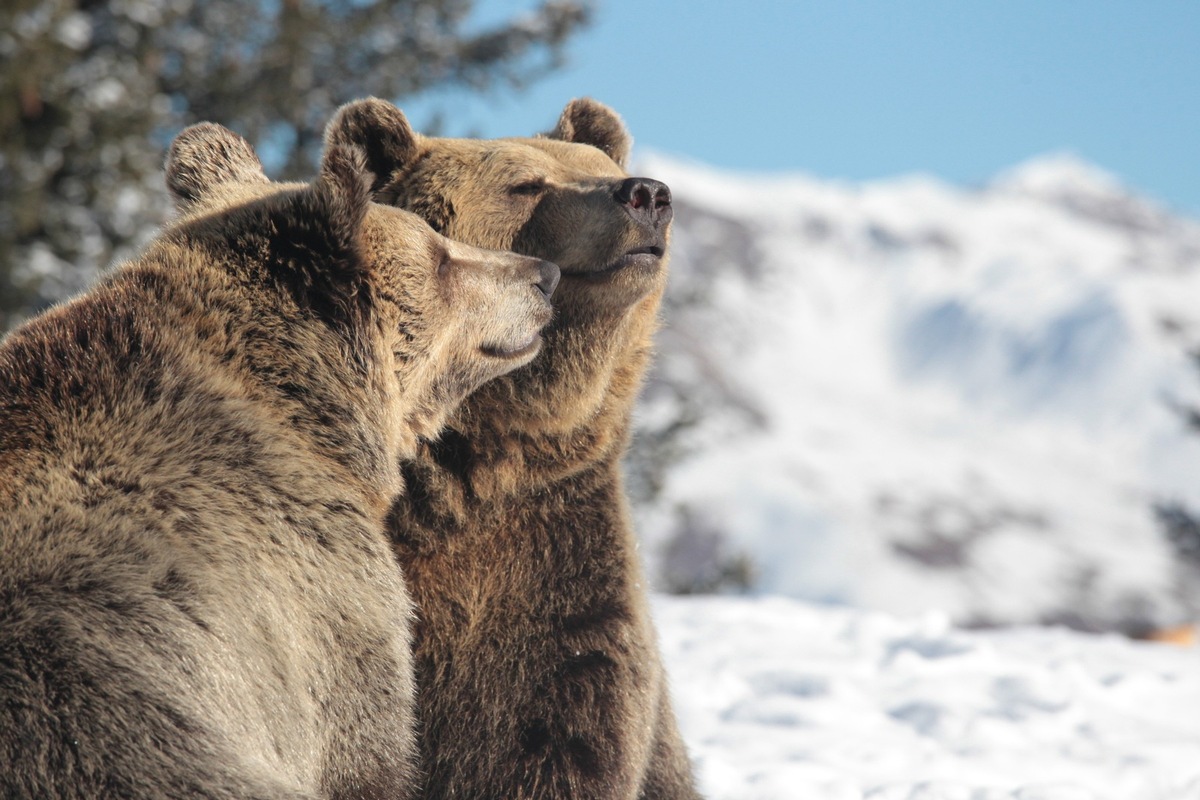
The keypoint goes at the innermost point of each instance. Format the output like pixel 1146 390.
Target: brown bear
pixel 537 666
pixel 197 597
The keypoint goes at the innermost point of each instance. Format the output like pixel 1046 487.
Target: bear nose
pixel 548 275
pixel 648 201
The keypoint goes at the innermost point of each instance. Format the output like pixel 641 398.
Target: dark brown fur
pixel 538 670
pixel 197 599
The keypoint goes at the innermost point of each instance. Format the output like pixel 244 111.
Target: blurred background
pixel 932 339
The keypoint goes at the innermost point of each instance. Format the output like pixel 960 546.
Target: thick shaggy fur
pixel 538 670
pixel 197 599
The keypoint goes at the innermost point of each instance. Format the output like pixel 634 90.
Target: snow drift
pixel 779 700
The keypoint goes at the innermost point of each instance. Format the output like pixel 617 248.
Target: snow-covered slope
pixel 906 395
pixel 779 700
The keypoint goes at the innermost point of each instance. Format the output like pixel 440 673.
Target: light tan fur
pixel 197 599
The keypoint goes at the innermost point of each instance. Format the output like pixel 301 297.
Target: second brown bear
pixel 537 665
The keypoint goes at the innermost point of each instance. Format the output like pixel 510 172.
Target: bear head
pixel 444 316
pixel 564 196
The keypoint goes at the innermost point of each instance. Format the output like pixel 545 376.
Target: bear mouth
pixel 507 353
pixel 640 259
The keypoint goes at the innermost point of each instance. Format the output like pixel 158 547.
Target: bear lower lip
pixel 643 259
pixel 509 353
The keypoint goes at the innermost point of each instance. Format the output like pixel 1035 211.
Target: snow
pixel 910 396
pixel 780 699
pixel 1058 174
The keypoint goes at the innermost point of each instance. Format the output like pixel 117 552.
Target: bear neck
pixel 566 417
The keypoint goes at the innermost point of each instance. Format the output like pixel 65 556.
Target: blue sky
pixel 853 89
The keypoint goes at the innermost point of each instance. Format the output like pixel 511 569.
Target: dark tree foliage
pixel 91 92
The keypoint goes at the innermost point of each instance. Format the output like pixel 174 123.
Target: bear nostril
pixel 548 275
pixel 640 198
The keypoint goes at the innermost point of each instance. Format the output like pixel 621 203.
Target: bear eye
pixel 531 188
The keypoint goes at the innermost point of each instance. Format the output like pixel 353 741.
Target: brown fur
pixel 197 599
pixel 538 670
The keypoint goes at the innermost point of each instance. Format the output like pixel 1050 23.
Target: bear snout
pixel 646 200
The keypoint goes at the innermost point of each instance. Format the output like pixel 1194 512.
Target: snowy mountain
pixel 907 395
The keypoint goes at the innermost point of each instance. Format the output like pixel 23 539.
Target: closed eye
pixel 532 188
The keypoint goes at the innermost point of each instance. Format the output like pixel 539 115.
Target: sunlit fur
pixel 538 671
pixel 197 598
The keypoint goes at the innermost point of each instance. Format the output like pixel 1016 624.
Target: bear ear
pixel 206 155
pixel 586 121
pixel 380 130
pixel 343 192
